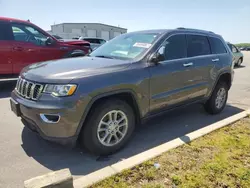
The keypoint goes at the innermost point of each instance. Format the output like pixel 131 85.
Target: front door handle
pixel 188 64
pixel 18 48
pixel 215 60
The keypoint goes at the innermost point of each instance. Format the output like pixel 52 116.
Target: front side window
pixel 217 46
pixel 5 32
pixel 197 45
pixel 126 47
pixel 29 34
pixel 175 47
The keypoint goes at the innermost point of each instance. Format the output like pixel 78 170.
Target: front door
pixel 172 78
pixel 30 47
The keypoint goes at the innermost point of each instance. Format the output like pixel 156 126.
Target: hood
pixel 64 70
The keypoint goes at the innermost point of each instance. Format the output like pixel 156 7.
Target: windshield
pixel 126 47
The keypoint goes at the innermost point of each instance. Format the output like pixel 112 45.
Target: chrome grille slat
pixel 28 89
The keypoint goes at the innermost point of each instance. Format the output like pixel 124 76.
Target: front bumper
pixel 63 131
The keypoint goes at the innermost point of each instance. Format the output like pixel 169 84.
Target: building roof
pixel 92 23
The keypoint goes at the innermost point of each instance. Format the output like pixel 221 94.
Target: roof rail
pixel 194 29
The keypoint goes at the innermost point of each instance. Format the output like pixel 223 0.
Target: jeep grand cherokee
pixel 101 98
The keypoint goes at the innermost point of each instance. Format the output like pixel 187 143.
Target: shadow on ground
pixel 239 67
pixel 169 126
pixel 6 88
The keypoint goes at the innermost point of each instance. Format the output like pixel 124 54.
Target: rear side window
pixel 176 47
pixel 5 31
pixel 197 45
pixel 217 46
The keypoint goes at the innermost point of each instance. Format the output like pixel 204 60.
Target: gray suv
pixel 98 100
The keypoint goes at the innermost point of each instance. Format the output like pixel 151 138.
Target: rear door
pixel 5 48
pixel 199 53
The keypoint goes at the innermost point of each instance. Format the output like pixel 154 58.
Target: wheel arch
pixel 224 76
pixel 127 95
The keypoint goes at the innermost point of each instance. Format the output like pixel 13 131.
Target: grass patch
pixel 220 159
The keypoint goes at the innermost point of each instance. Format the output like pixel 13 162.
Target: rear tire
pixel 239 62
pixel 108 128
pixel 218 99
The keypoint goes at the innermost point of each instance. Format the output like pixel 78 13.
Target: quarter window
pixel 197 45
pixel 217 46
pixel 234 49
pixel 175 47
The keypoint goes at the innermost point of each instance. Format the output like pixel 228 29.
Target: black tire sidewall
pixel 89 134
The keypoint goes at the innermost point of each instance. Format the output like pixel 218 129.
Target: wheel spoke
pixel 120 132
pixel 122 125
pixel 116 137
pixel 109 138
pixel 104 123
pixel 102 129
pixel 104 138
pixel 110 116
pixel 121 119
pixel 115 115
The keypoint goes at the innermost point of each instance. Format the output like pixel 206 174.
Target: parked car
pixel 57 37
pixel 237 55
pixel 242 49
pixel 23 43
pixel 98 100
pixel 94 42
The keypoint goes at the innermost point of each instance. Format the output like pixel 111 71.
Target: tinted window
pixel 27 33
pixel 217 46
pixel 5 31
pixel 197 45
pixel 175 47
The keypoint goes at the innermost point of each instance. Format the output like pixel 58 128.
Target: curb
pixel 118 167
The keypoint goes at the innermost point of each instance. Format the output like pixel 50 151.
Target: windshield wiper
pixel 104 56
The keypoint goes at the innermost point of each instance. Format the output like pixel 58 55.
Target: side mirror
pixel 158 56
pixel 49 41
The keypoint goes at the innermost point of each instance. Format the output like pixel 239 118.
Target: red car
pixel 23 43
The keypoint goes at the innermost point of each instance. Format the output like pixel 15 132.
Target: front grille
pixel 28 89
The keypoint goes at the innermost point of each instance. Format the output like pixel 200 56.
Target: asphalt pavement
pixel 24 155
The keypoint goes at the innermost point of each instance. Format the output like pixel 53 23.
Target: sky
pixel 229 18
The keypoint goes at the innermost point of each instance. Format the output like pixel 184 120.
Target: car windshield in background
pixel 126 47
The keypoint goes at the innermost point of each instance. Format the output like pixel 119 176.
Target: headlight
pixel 60 90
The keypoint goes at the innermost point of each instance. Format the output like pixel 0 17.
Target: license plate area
pixel 15 107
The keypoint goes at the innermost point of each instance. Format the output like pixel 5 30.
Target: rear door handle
pixel 188 64
pixel 18 48
pixel 215 60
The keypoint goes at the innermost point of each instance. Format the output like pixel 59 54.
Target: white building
pixel 70 30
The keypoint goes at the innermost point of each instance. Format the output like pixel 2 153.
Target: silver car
pixel 237 55
pixel 94 42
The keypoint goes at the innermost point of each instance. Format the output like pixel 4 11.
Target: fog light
pixel 50 118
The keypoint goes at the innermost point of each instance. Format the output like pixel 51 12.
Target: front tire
pixel 218 99
pixel 108 128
